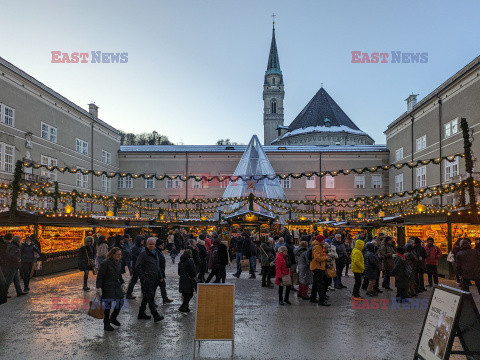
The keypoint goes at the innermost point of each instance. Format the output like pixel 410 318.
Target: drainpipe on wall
pixel 413 150
pixel 320 182
pixel 186 182
pixel 440 142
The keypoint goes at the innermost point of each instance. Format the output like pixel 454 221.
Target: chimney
pixel 411 101
pixel 93 110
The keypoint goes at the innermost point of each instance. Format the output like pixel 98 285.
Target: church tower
pixel 273 94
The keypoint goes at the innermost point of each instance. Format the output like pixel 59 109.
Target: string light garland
pixel 358 171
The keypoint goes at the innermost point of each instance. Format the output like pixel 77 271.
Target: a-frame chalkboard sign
pixel 451 313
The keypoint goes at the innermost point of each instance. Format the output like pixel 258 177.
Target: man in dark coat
pixel 387 251
pixel 148 268
pixel 468 264
pixel 3 283
pixel 160 245
pixel 13 261
pixel 339 244
pixel 187 282
pixel 421 254
pixel 28 251
pixel 401 274
pixel 136 250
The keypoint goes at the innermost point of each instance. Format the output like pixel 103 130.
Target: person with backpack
pixel 358 267
pixel 137 249
pixel 339 244
pixel 219 261
pixel 433 254
pixel 387 251
pixel 267 259
pixel 317 266
pixel 371 268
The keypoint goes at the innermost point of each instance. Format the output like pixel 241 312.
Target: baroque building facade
pixel 40 125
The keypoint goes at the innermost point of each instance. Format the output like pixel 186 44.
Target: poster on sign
pixel 451 313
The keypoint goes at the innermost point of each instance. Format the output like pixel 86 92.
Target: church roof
pixel 322 111
pixel 273 66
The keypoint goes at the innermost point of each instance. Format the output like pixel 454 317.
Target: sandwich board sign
pixel 215 315
pixel 451 313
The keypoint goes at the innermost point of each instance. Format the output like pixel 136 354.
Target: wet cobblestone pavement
pixel 36 327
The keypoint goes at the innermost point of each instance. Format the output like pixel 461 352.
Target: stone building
pixel 431 128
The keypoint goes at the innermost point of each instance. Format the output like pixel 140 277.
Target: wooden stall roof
pixel 23 218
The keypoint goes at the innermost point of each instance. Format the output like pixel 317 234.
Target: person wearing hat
pixel 317 266
pixel 160 245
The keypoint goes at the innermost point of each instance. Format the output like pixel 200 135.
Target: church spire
pixel 273 66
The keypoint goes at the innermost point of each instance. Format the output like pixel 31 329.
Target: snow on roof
pixel 323 129
pixel 242 148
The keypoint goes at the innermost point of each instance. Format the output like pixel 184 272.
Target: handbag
pixel 95 309
pixel 245 264
pixel 330 272
pixel 91 263
pixel 286 280
pixel 450 257
pixel 270 259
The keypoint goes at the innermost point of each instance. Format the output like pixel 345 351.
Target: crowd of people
pixel 315 263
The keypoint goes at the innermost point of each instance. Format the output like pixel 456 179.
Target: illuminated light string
pixel 371 169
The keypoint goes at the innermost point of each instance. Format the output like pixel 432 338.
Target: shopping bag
pixel 286 280
pixel 245 264
pixel 38 265
pixel 95 309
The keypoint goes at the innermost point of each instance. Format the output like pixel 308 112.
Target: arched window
pixel 274 107
pixel 273 81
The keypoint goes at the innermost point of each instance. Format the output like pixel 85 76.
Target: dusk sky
pixel 195 69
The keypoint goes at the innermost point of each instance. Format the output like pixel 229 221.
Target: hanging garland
pixel 467 145
pixel 358 171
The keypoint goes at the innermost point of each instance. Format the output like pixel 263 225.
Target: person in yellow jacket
pixel 358 266
pixel 317 266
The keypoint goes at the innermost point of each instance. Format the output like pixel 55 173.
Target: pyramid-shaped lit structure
pixel 254 162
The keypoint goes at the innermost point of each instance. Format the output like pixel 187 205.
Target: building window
pixel 173 183
pixel 82 147
pixel 273 81
pixel 399 154
pixel 274 107
pixel 106 184
pixel 125 182
pixel 198 206
pixel 7 114
pixel 197 184
pixel 106 157
pixel 51 174
pixel 422 142
pixel 49 133
pixel 451 128
pixel 360 181
pixel 150 183
pixel 285 183
pixel 451 169
pixel 421 177
pixel 376 181
pixel 82 180
pixel 329 182
pixel 225 182
pixel 399 183
pixel 311 184
pixel 7 157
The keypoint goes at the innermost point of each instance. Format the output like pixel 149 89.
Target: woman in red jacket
pixel 282 270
